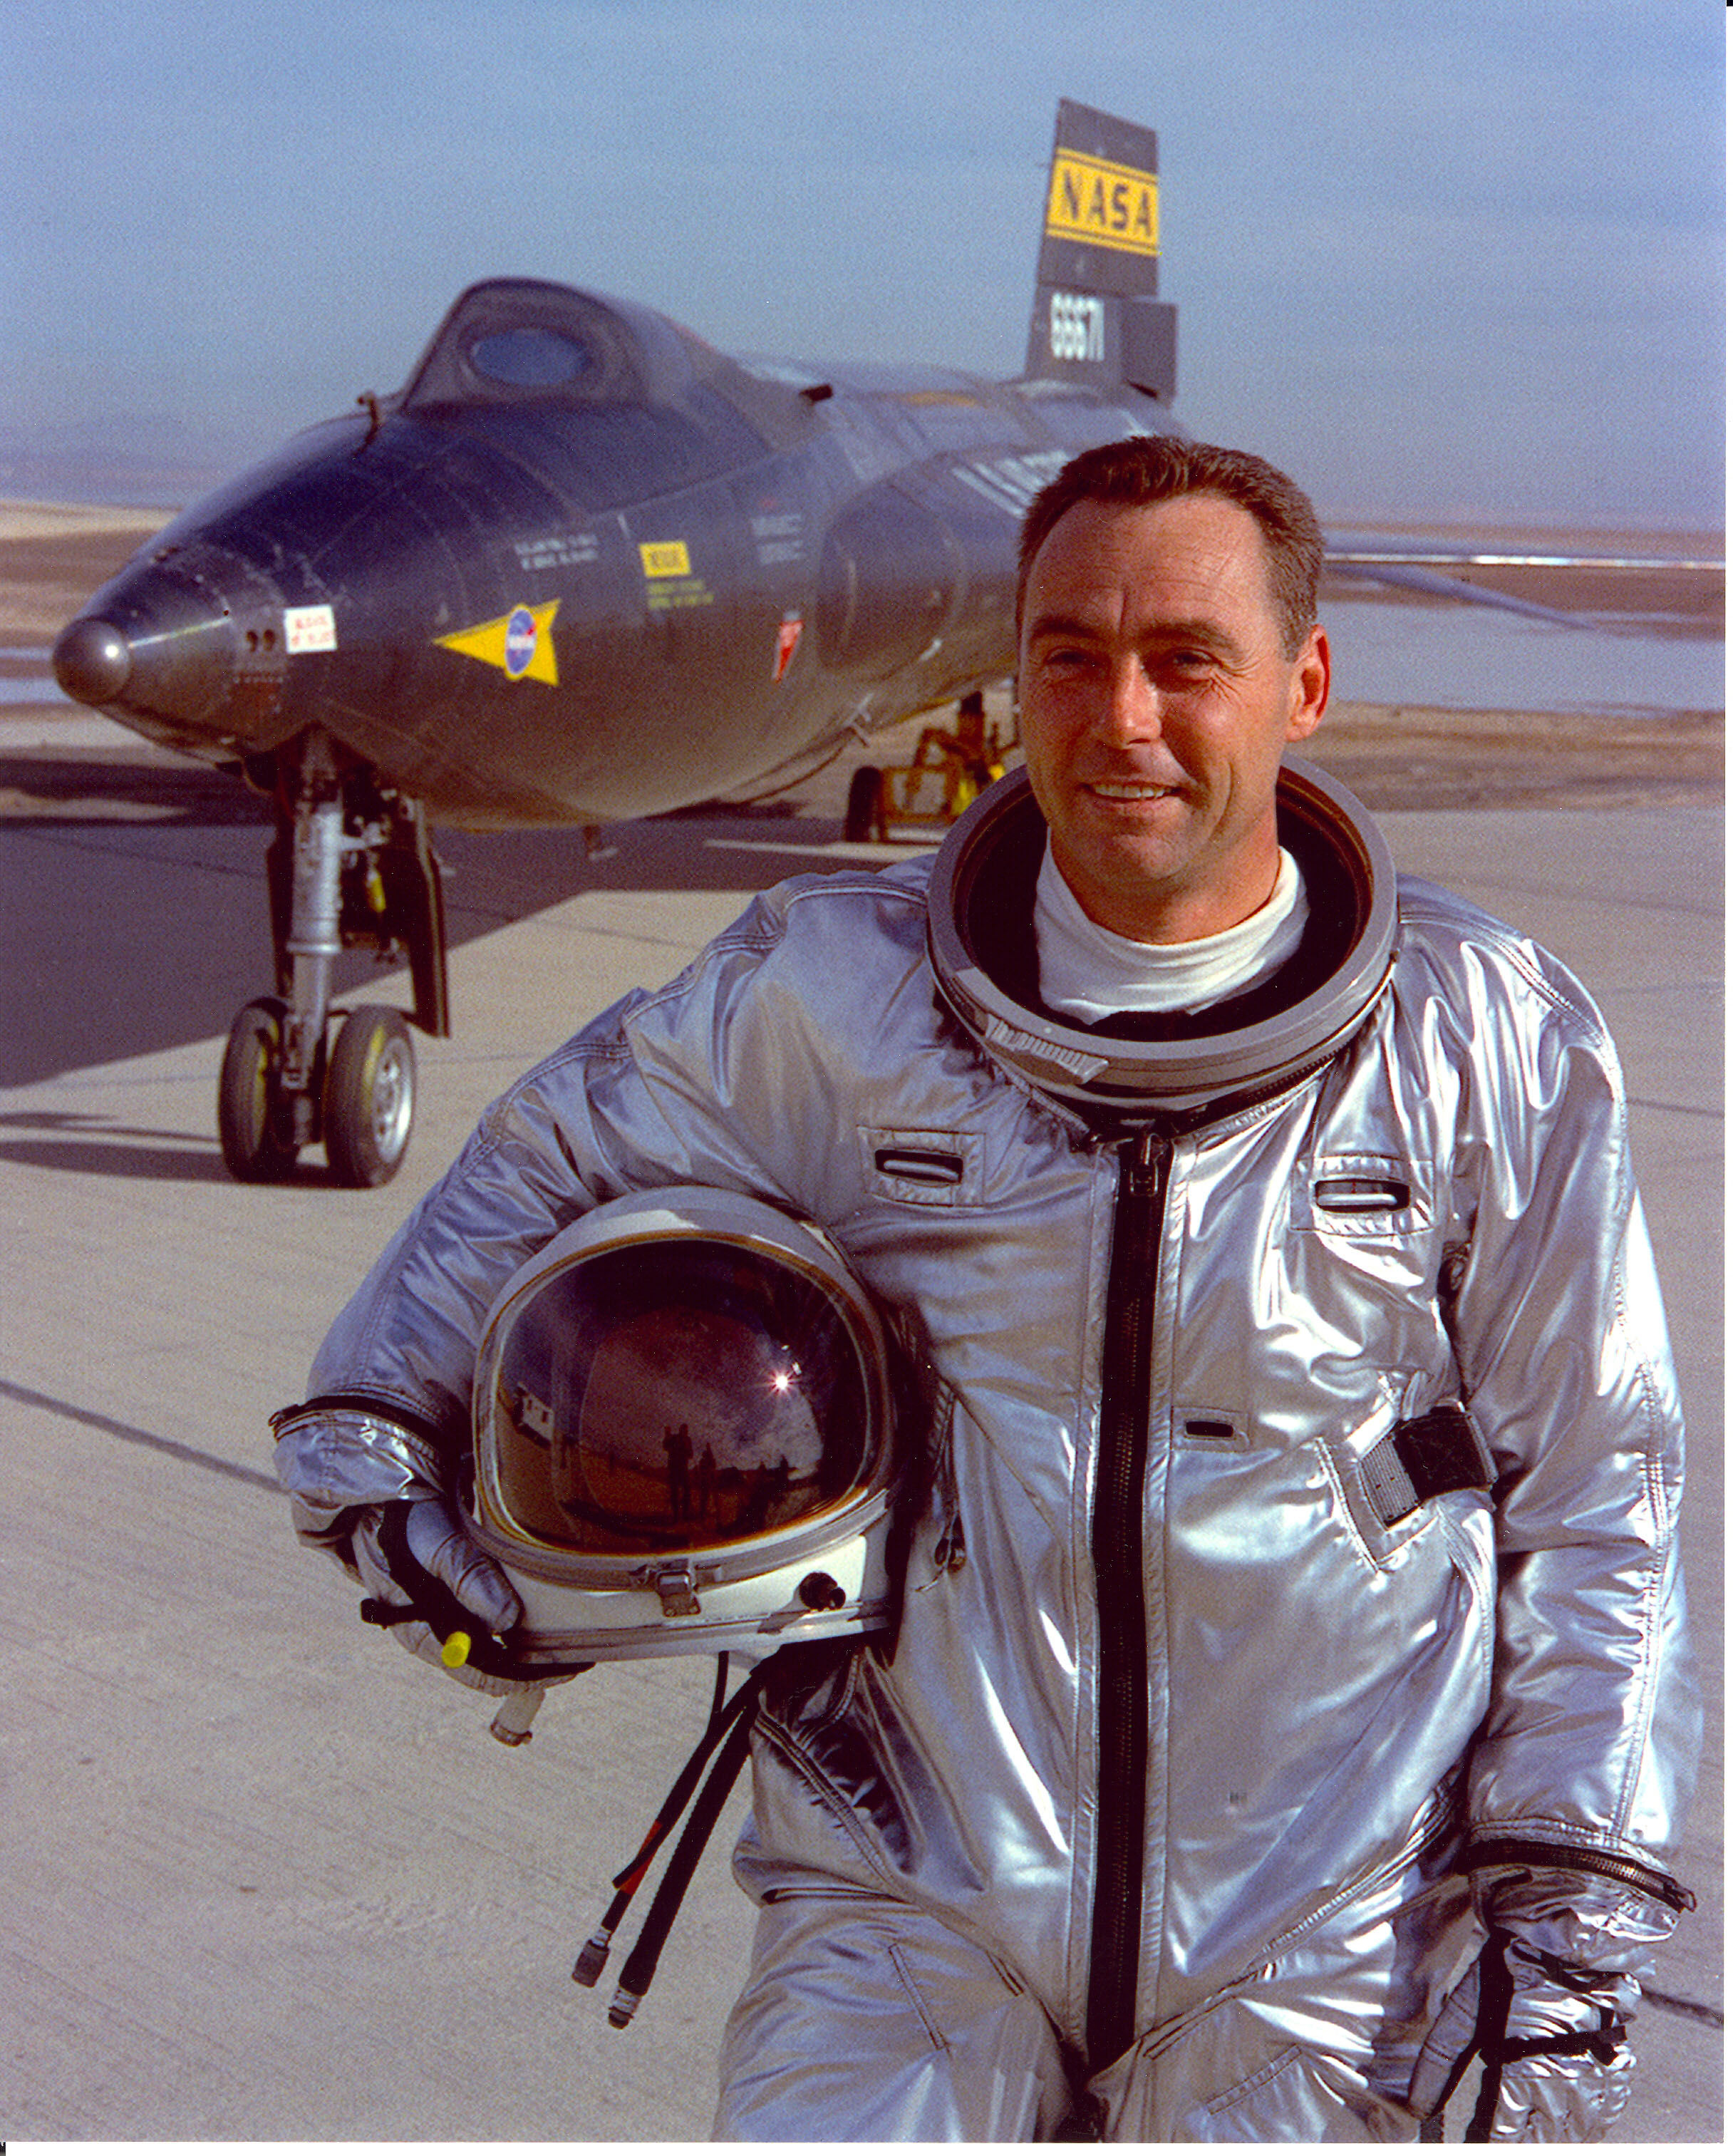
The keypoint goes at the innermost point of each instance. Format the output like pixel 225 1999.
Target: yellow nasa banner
pixel 1107 205
pixel 520 643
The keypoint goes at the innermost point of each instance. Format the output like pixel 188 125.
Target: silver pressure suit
pixel 1200 1729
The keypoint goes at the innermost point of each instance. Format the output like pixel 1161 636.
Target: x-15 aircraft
pixel 582 567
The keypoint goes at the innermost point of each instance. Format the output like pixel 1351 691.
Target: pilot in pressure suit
pixel 1290 1694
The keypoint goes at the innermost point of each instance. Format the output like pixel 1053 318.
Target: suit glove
pixel 1554 2041
pixel 372 1492
pixel 457 1594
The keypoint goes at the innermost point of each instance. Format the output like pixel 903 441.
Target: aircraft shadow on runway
pixel 135 903
pixel 92 1145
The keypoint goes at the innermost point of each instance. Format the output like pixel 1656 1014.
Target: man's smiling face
pixel 1157 697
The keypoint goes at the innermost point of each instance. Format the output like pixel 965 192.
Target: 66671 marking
pixel 1077 326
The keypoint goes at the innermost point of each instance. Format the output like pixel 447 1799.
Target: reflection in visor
pixel 646 1403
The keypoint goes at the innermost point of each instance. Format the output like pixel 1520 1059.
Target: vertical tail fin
pixel 1096 318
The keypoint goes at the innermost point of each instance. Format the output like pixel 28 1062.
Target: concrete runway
pixel 266 1877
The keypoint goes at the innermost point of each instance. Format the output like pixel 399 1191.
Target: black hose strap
pixel 640 1969
pixel 1497 1989
pixel 1492 2039
pixel 631 1876
pixel 730 1727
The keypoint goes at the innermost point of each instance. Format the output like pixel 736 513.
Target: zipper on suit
pixel 1116 1546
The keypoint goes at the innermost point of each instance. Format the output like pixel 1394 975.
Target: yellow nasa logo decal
pixel 520 643
pixel 1106 204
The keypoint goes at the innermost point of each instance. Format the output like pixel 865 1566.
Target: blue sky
pixel 1459 261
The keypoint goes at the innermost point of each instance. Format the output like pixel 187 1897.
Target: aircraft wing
pixel 1606 581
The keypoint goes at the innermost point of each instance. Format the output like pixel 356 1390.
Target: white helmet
pixel 682 1424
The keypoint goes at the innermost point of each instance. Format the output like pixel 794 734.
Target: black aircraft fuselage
pixel 585 567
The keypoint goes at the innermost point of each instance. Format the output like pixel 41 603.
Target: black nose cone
pixel 93 661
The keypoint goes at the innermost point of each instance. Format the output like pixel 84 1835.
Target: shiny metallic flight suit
pixel 1165 1802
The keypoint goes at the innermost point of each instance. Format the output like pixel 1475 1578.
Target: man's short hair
pixel 1149 468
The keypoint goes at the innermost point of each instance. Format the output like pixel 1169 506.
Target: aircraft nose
pixel 170 645
pixel 93 661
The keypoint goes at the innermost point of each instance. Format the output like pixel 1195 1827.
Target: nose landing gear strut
pixel 350 865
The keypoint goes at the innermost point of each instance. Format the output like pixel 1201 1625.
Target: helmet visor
pixel 648 1398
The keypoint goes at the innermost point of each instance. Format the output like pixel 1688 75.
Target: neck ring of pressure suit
pixel 981 944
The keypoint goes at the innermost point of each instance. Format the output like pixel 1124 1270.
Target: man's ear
pixel 1309 686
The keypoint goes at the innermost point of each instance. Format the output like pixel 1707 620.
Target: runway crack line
pixel 1675 1108
pixel 1711 2016
pixel 132 1435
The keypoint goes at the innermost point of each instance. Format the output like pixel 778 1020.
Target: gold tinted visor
pixel 656 1397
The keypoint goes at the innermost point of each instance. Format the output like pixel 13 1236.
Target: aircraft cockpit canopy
pixel 531 357
pixel 514 340
pixel 521 342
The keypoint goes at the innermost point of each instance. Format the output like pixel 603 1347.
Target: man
pixel 1294 1601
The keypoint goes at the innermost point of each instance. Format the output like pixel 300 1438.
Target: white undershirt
pixel 1088 972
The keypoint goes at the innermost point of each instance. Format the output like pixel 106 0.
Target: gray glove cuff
pixel 335 1460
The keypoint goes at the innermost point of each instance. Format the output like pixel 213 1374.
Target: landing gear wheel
pixel 369 1098
pixel 251 1115
pixel 864 819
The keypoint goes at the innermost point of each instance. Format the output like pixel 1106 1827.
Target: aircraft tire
pixel 250 1121
pixel 864 819
pixel 369 1098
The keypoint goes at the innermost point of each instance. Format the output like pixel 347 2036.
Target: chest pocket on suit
pixel 922 1168
pixel 1362 1197
pixel 1365 1248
